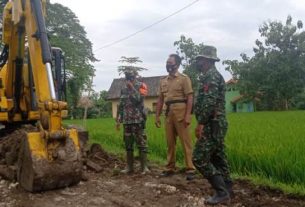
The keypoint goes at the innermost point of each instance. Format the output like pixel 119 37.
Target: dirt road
pixel 110 188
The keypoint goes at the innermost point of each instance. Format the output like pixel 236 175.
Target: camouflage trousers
pixel 135 133
pixel 209 155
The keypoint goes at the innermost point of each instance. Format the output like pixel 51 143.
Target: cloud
pixel 232 26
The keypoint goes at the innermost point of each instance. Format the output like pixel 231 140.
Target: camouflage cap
pixel 209 52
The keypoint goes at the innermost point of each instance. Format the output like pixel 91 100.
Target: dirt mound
pixel 10 142
pixel 111 188
pixel 97 159
pixel 94 158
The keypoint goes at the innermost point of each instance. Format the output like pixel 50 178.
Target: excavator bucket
pixel 49 164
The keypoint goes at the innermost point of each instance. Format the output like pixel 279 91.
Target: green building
pixel 236 102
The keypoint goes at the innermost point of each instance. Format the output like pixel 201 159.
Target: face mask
pixel 130 78
pixel 170 68
pixel 199 66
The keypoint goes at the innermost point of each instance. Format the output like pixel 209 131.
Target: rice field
pixel 267 147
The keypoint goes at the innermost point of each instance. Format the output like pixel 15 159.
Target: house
pixel 150 101
pixel 236 102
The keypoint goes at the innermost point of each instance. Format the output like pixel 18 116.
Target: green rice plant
pixel 265 146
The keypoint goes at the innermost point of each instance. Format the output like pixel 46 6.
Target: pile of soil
pixel 106 186
pixel 10 142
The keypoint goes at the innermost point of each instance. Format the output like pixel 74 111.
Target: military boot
pixel 143 160
pixel 229 186
pixel 221 194
pixel 129 167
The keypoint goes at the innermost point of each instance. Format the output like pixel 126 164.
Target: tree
pixel 102 107
pixel 2 5
pixel 129 65
pixel 89 103
pixel 85 102
pixel 97 105
pixel 65 31
pixel 277 69
pixel 188 51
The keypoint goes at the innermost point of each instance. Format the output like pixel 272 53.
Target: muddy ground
pixel 110 188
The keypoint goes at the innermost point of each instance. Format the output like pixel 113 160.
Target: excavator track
pixel 38 164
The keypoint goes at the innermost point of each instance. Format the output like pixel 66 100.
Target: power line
pixel 147 27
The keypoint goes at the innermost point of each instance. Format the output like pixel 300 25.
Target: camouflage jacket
pixel 210 102
pixel 131 105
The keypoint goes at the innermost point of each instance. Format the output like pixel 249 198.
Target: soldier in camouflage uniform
pixel 209 154
pixel 131 114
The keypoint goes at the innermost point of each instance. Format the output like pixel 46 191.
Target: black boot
pixel 221 194
pixel 143 160
pixel 229 186
pixel 129 167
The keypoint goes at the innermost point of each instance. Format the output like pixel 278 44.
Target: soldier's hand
pixel 199 130
pixel 187 121
pixel 129 84
pixel 158 122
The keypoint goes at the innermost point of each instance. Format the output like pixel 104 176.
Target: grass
pixel 266 147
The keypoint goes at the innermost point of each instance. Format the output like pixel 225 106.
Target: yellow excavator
pixel 31 92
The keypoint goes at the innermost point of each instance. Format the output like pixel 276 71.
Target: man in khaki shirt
pixel 176 92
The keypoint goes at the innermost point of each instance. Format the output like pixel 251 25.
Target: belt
pixel 168 103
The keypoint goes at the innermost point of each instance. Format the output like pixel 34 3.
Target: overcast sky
pixel 230 25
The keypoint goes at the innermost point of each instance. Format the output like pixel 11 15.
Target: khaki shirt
pixel 176 88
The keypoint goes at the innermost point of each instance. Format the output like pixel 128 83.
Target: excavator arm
pixel 50 155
